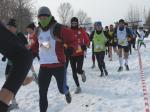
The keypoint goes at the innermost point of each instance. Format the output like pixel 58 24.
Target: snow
pixel 118 92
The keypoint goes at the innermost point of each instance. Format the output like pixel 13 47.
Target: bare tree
pixel 83 18
pixel 133 15
pixel 147 23
pixel 6 9
pixel 24 13
pixel 65 12
pixel 145 14
pixel 21 10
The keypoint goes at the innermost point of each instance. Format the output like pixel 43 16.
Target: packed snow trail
pixel 118 92
pixel 144 84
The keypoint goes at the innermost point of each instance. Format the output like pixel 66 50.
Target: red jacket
pixel 34 46
pixel 82 39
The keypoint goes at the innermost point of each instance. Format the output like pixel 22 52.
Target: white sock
pixel 121 61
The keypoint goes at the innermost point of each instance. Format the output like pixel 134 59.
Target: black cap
pixel 74 19
pixel 32 26
pixel 121 21
pixel 141 28
pixel 12 22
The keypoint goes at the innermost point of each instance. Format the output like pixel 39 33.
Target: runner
pixel 51 37
pixel 100 41
pixel 21 58
pixel 77 59
pixel 122 33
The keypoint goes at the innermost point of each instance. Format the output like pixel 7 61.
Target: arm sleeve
pixel 86 38
pixel 22 39
pixel 106 35
pixel 129 33
pixel 66 34
pixel 137 33
pixel 91 36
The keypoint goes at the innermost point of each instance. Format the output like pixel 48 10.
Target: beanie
pixel 98 23
pixel 12 22
pixel 74 19
pixel 32 26
pixel 121 21
pixel 44 11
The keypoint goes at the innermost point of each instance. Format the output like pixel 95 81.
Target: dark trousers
pixel 67 61
pixel 130 48
pixel 100 60
pixel 76 65
pixel 20 57
pixel 93 54
pixel 45 75
pixel 133 43
pixel 93 58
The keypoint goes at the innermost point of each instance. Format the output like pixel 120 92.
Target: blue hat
pixel 98 23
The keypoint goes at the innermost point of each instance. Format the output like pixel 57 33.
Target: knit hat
pixel 12 22
pixel 32 26
pixel 141 28
pixel 74 19
pixel 121 21
pixel 44 11
pixel 98 23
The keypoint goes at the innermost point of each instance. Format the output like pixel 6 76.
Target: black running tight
pixel 20 57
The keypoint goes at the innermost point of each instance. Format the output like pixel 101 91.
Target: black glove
pixel 68 51
pixel 3 58
pixel 83 47
pixel 107 43
pixel 114 43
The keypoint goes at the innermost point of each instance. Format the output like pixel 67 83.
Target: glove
pixel 107 43
pixel 4 59
pixel 114 43
pixel 68 51
pixel 83 47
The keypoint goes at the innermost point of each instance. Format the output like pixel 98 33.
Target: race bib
pixel 122 42
pixel 79 49
pixel 98 47
pixel 46 45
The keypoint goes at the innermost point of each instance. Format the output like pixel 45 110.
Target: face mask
pixel 45 22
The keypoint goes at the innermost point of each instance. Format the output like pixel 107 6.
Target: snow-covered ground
pixel 118 92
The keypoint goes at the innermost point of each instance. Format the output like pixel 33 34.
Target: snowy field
pixel 118 92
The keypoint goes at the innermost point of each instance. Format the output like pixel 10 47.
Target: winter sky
pixel 106 11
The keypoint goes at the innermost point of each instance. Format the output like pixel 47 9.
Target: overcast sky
pixel 106 11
